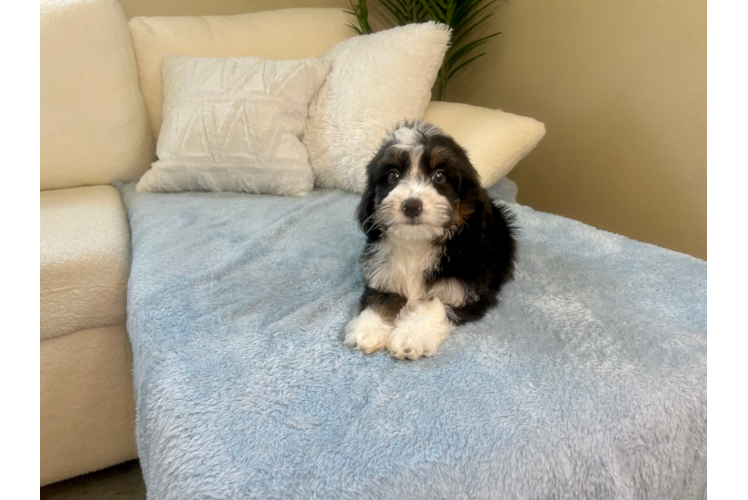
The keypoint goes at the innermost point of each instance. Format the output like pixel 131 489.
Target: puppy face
pixel 420 185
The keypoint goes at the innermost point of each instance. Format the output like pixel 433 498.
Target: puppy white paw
pixel 367 332
pixel 404 344
pixel 419 329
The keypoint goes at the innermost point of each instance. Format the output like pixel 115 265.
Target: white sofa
pixel 100 115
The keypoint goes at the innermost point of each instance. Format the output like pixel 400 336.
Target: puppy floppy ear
pixel 479 220
pixel 365 211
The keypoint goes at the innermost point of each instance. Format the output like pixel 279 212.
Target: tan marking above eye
pixel 440 155
pixel 395 156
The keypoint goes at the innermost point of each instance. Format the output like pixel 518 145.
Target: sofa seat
pixel 87 407
pixel 85 259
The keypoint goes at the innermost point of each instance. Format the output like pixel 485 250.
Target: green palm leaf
pixel 464 63
pixel 452 58
pixel 435 13
pixel 361 12
pixel 405 11
pixel 464 23
pixel 463 16
pixel 458 37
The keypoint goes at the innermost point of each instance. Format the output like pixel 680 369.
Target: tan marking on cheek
pixel 462 212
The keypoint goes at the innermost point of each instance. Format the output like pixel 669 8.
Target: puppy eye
pixel 439 177
pixel 393 177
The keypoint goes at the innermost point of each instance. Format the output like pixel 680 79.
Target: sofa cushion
pixel 94 128
pixel 494 140
pixel 85 259
pixel 87 406
pixel 277 34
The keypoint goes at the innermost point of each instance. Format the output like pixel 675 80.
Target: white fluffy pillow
pixel 376 81
pixel 235 124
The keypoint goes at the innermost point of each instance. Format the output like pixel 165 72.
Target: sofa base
pixel 87 407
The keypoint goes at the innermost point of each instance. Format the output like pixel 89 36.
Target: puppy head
pixel 420 185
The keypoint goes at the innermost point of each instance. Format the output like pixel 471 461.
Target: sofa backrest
pixel 277 34
pixel 94 127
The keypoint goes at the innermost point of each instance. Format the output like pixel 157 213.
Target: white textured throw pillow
pixel 235 124
pixel 376 81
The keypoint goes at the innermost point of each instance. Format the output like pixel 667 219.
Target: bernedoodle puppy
pixel 437 249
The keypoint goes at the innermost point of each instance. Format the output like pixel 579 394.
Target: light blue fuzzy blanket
pixel 589 380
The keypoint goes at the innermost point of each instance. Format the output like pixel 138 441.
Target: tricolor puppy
pixel 437 249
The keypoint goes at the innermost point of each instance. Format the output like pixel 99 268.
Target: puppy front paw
pixel 419 329
pixel 367 332
pixel 404 344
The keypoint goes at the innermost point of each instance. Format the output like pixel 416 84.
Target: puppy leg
pixel 419 329
pixel 369 331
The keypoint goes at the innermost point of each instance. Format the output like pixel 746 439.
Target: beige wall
pixel 379 18
pixel 620 87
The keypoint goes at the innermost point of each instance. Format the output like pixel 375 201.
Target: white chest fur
pixel 400 265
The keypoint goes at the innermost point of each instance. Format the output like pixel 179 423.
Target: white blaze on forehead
pixel 415 159
pixel 406 136
pixel 415 153
pixel 414 133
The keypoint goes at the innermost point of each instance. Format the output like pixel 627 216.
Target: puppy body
pixel 437 251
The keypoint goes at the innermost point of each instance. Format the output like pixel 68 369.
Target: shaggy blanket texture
pixel 588 381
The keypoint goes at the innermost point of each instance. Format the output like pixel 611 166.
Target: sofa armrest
pixel 494 140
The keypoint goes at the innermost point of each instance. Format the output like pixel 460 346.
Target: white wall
pixel 712 455
pixel 713 382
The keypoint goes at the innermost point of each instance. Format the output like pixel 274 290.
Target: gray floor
pixel 123 482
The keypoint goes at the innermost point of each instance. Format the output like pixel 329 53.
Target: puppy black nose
pixel 412 207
